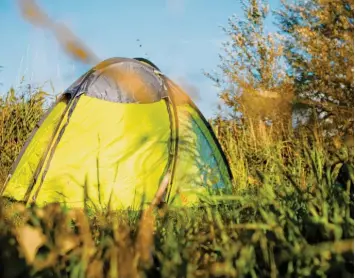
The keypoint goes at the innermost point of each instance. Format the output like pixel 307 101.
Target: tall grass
pixel 290 215
pixel 19 113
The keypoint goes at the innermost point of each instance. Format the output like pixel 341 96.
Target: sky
pixel 182 37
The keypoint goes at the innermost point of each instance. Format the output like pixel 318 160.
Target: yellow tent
pixel 111 138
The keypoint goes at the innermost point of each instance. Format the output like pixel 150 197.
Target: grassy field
pixel 290 215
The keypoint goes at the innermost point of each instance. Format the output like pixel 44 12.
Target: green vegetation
pixel 288 217
pixel 291 211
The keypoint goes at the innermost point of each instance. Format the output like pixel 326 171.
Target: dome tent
pixel 111 138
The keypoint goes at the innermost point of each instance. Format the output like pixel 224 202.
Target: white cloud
pixel 176 7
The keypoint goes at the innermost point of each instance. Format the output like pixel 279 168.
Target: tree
pixel 252 78
pixel 319 49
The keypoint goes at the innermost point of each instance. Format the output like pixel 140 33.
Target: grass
pixel 290 215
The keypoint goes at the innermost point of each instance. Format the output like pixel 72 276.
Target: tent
pixel 111 138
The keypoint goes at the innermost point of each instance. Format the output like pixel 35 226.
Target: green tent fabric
pixel 112 137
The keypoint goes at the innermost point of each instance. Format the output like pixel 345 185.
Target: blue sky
pixel 182 37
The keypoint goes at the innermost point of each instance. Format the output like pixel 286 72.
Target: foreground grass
pixel 290 215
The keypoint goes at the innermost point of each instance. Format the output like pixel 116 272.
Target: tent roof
pixel 121 80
